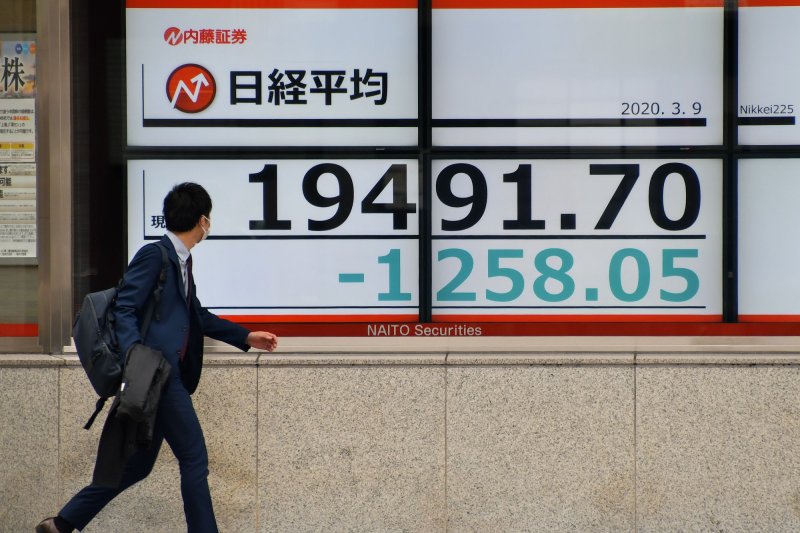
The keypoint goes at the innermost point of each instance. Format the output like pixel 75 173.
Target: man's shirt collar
pixel 180 248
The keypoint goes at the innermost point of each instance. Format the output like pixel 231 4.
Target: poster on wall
pixel 17 98
pixel 577 73
pixel 17 149
pixel 769 89
pixel 577 240
pixel 295 240
pixel 276 73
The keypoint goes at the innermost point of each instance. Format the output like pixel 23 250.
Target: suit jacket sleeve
pixel 221 329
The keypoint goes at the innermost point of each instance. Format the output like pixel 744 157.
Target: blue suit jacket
pixel 180 324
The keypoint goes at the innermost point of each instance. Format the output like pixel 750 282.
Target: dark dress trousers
pixel 179 336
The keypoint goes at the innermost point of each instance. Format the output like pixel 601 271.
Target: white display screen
pixel 769 87
pixel 295 240
pixel 277 73
pixel 514 163
pixel 615 239
pixel 768 212
pixel 567 73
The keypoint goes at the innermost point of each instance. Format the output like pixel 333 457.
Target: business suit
pixel 179 336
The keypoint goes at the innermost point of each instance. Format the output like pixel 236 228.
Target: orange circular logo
pixel 191 88
pixel 173 36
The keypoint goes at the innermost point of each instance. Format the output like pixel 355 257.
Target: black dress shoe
pixel 48 525
pixel 54 524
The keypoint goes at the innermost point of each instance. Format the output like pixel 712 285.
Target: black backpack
pixel 96 337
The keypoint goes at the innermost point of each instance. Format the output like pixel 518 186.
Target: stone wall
pixel 617 441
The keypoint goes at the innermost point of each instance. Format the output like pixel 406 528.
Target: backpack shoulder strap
pixel 162 278
pixel 154 308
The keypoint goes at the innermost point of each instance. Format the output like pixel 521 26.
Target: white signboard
pixel 272 74
pixel 769 82
pixel 295 240
pixel 567 73
pixel 528 240
pixel 17 149
pixel 17 212
pixel 769 285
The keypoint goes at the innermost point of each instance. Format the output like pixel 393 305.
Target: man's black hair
pixel 184 205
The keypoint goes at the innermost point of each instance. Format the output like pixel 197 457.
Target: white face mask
pixel 205 231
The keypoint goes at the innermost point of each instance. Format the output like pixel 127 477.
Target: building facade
pixel 522 256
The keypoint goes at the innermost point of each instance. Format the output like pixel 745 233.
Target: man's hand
pixel 263 340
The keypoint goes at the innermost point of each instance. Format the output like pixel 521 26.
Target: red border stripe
pixel 19 330
pixel 769 3
pixel 570 4
pixel 528 325
pixel 769 318
pixel 271 4
pixel 437 4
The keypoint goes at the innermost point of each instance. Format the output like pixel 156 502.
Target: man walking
pixel 178 335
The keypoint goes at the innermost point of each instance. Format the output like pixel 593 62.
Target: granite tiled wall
pixel 546 442
pixel 352 448
pixel 718 448
pixel 540 448
pixel 29 421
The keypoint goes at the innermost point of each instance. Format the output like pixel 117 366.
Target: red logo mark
pixel 191 88
pixel 173 36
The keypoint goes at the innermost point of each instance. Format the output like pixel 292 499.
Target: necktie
pixel 187 283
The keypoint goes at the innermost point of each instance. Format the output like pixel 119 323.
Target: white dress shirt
pixel 183 257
